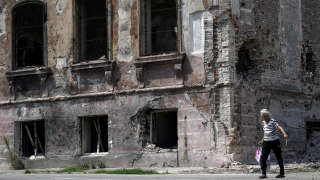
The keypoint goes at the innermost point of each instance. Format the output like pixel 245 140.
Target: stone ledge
pixel 107 65
pixel 88 95
pixel 28 72
pixel 173 58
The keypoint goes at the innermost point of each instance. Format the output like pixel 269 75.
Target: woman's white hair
pixel 265 112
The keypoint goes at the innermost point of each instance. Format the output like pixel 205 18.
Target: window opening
pixel 312 127
pixel 95 134
pixel 163 129
pixel 92 30
pixel 308 63
pixel 33 138
pixel 28 34
pixel 245 62
pixel 159 26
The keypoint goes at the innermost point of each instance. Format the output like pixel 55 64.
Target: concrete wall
pixel 276 31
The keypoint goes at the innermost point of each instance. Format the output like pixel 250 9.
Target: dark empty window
pixel 94 134
pixel 308 62
pixel 33 138
pixel 163 129
pixel 158 26
pixel 312 127
pixel 245 62
pixel 92 30
pixel 28 34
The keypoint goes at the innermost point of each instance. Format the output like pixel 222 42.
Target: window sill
pixel 34 158
pixel 160 150
pixel 28 72
pixel 107 65
pixel 174 58
pixel 86 155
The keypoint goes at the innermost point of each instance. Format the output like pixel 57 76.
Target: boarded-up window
pixel 94 134
pixel 33 138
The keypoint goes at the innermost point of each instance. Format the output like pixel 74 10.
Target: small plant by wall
pixel 15 162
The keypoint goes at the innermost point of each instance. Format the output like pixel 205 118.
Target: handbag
pixel 259 154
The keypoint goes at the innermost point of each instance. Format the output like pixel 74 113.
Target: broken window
pixel 28 34
pixel 158 27
pixel 94 134
pixel 33 138
pixel 244 63
pixel 163 129
pixel 92 30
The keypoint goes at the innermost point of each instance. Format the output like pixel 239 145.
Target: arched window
pixel 91 30
pixel 28 27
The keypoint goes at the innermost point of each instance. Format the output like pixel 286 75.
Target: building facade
pixel 165 83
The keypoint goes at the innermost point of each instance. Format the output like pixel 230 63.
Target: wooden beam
pixel 29 135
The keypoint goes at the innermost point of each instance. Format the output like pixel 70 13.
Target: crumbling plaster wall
pixel 63 134
pixel 275 31
pixel 196 104
pixel 5 127
pixel 3 51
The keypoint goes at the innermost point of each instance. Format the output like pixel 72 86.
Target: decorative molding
pixel 37 71
pixel 108 77
pixel 176 59
pixel 167 58
pixel 100 94
pixel 12 89
pixel 107 66
pixel 178 69
pixel 41 72
pixel 140 77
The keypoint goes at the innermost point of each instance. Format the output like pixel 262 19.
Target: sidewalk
pixel 234 169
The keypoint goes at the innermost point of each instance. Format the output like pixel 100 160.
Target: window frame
pixel 154 126
pixel 142 24
pixel 76 36
pixel 13 35
pixel 19 136
pixel 85 120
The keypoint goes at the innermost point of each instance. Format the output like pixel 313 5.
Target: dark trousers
pixel 266 148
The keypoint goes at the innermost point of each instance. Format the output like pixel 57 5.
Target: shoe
pixel 280 176
pixel 262 177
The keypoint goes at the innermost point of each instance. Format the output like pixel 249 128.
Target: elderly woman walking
pixel 270 141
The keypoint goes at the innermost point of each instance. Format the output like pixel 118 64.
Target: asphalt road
pixel 300 176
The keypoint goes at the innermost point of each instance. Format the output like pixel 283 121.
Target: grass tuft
pixel 125 171
pixel 72 169
pixel 27 171
pixel 16 163
pixel 302 170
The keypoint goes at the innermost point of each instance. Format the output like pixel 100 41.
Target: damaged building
pixel 156 83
